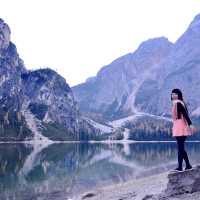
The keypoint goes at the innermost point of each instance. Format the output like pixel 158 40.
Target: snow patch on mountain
pixel 101 127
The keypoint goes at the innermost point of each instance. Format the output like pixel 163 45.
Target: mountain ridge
pixel 36 104
pixel 142 81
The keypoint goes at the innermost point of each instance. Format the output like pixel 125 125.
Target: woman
pixel 182 127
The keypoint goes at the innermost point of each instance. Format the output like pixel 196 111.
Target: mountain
pixel 181 69
pixel 142 81
pixel 13 124
pixel 113 91
pixel 39 104
pixel 36 104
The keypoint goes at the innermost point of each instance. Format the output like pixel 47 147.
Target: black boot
pixel 179 169
pixel 189 167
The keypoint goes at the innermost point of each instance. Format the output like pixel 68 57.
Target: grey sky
pixel 78 37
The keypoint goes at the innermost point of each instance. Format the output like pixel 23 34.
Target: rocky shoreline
pixel 165 186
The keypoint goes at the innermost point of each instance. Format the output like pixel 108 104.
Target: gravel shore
pixel 164 186
pixel 135 189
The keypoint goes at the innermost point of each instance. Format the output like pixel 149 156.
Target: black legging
pixel 182 154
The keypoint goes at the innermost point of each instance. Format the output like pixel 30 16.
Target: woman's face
pixel 174 96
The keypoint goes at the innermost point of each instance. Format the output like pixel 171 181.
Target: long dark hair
pixel 180 96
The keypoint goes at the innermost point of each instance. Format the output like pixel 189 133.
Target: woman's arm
pixel 181 109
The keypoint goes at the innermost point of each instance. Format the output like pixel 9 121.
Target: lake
pixel 60 170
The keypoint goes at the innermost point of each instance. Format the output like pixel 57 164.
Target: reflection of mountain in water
pixel 62 169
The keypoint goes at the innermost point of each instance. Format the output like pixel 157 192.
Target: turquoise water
pixel 60 170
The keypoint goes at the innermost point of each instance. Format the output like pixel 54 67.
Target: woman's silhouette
pixel 182 127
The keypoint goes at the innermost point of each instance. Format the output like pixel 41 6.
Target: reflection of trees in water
pixel 58 163
pixel 66 161
pixel 71 155
pixel 12 158
pixel 152 154
pixel 68 167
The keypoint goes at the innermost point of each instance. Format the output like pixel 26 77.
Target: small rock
pixel 88 195
pixel 149 197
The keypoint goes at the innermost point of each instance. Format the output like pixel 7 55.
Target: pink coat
pixel 180 126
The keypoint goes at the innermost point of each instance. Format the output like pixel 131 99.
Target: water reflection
pixel 61 170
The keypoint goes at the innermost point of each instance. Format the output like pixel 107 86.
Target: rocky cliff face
pixel 35 103
pixel 13 124
pixel 49 97
pixel 112 92
pixel 143 80
pixel 179 70
pixel 11 67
